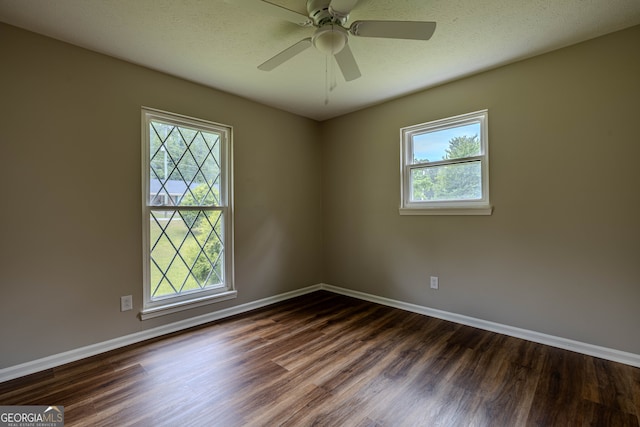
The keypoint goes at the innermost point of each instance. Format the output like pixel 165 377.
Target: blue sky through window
pixel 432 145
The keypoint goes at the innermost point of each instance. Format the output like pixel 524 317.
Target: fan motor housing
pixel 319 12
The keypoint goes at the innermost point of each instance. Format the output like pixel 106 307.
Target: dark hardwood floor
pixel 328 360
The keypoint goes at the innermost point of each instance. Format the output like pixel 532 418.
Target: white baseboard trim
pixel 59 359
pixel 559 342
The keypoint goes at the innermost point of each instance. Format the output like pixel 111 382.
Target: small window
pixel 445 167
pixel 187 221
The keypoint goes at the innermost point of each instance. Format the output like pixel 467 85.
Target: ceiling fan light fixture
pixel 331 36
pixel 330 39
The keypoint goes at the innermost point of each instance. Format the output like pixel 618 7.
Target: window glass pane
pixel 187 252
pixel 184 166
pixel 445 144
pixel 460 181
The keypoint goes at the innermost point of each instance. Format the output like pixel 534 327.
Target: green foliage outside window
pixel 458 181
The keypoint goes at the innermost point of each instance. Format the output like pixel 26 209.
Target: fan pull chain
pixel 331 82
pixel 326 79
pixel 327 88
pixel 332 74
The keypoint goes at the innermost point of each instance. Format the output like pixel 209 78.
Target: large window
pixel 187 220
pixel 445 167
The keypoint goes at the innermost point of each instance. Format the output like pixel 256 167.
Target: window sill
pixel 175 307
pixel 447 211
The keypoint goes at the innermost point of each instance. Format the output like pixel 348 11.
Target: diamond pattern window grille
pixel 187 251
pixel 186 209
pixel 184 167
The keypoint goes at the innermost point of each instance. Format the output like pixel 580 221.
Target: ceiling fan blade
pixel 414 30
pixel 285 55
pixel 342 8
pixel 347 64
pixel 274 10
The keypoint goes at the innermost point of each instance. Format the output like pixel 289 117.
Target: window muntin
pixel 186 211
pixel 444 166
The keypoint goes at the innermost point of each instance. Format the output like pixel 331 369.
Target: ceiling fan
pixel 331 36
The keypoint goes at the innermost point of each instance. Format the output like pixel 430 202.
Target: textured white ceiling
pixel 220 44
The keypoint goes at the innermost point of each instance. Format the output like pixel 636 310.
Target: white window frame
pixel 450 207
pixel 166 305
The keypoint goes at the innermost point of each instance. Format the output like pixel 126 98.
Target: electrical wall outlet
pixel 434 282
pixel 126 303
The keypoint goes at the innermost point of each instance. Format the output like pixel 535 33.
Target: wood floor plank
pixel 595 414
pixel 611 385
pixel 329 360
pixel 286 410
pixel 558 399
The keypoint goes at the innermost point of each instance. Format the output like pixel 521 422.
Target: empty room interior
pixel 215 215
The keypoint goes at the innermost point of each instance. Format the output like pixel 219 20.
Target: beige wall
pixel 70 223
pixel 561 253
